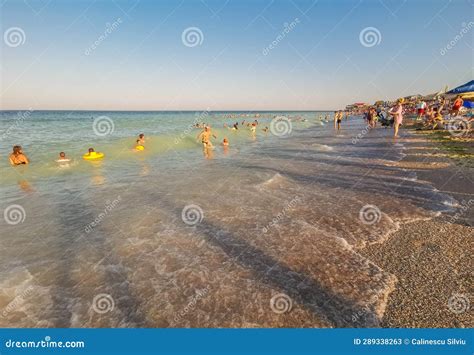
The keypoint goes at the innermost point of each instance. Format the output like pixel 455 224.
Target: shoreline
pixel 430 258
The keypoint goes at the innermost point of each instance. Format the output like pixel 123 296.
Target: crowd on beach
pixel 435 115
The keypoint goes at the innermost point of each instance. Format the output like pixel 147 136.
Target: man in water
pixel 141 139
pixel 205 137
pixel 17 157
pixel 337 120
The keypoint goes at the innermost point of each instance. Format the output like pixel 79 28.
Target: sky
pixel 229 54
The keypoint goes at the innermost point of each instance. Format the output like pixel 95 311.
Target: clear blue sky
pixel 144 65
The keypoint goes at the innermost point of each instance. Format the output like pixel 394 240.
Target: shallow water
pixel 170 237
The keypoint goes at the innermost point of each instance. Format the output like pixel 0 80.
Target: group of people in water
pixel 432 114
pixel 18 157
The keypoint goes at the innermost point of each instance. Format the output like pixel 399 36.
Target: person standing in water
pixel 205 137
pixel 17 157
pixel 141 139
pixel 337 120
pixel 396 112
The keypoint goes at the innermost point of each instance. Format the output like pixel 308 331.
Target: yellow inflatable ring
pixel 93 156
pixel 139 147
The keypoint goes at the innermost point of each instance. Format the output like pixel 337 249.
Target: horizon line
pixel 220 110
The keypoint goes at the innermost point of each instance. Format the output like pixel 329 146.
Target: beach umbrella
pixel 468 95
pixel 468 104
pixel 469 86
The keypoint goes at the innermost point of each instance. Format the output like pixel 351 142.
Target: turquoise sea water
pixel 173 237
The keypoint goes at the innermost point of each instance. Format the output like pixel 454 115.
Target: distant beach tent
pixel 468 87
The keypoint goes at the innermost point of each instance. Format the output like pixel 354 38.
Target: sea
pixel 266 232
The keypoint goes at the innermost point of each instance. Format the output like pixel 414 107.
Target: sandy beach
pixel 432 260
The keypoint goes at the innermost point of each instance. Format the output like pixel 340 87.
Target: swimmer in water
pixel 139 144
pixel 90 150
pixel 253 128
pixel 141 139
pixel 17 157
pixel 205 137
pixel 225 145
pixel 62 158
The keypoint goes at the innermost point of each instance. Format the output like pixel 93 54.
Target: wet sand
pixel 432 259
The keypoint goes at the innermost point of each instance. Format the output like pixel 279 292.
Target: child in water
pixel 139 145
pixel 225 142
pixel 62 158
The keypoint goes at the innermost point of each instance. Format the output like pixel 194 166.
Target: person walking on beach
pixel 457 106
pixel 371 117
pixel 17 157
pixel 421 107
pixel 396 112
